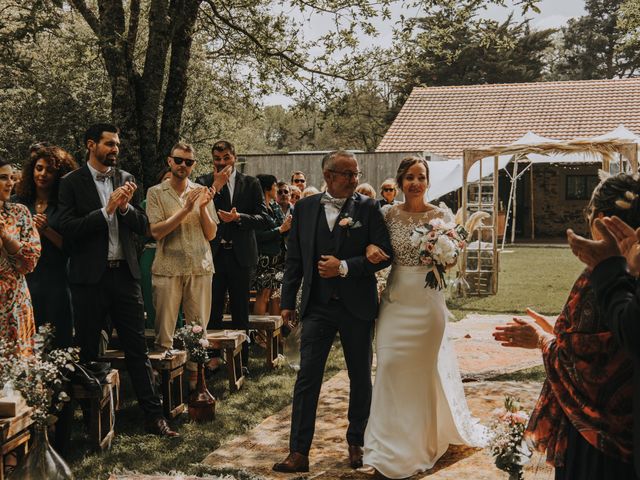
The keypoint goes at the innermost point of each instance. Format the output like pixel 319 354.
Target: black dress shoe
pixel 245 371
pixel 355 456
pixel 160 427
pixel 295 462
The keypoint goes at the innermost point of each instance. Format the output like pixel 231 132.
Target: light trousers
pixel 193 292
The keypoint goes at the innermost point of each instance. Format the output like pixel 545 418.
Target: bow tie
pixel 103 177
pixel 336 202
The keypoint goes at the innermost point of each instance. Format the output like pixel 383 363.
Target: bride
pixel 418 407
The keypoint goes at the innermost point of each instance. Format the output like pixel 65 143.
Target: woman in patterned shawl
pixel 19 253
pixel 583 418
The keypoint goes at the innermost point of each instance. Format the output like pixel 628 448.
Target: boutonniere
pixel 348 223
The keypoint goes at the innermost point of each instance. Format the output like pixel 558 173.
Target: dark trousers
pixel 319 327
pixel 231 277
pixel 118 296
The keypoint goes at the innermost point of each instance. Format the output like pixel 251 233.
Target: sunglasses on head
pixel 187 161
pixel 299 180
pixel 283 192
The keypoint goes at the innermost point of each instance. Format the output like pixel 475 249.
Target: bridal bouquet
pixel 440 244
pixel 507 444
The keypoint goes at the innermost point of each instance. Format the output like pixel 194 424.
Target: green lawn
pixel 262 395
pixel 535 277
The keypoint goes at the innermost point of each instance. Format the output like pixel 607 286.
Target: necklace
pixel 41 205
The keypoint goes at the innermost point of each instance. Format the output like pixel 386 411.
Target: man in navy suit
pixel 326 247
pixel 100 220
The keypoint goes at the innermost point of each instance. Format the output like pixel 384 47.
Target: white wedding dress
pixel 418 407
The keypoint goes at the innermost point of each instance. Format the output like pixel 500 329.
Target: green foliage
pixel 453 45
pixel 603 43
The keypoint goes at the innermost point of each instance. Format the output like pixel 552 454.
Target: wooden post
pixel 533 221
pixel 513 217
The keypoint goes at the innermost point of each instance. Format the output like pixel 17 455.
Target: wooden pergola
pixel 605 150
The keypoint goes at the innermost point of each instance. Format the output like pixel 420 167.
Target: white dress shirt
pixel 231 183
pixel 332 212
pixel 105 189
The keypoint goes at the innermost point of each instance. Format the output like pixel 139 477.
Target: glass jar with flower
pixel 202 405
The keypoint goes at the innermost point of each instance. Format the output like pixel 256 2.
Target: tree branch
pixel 132 31
pixel 270 51
pixel 88 15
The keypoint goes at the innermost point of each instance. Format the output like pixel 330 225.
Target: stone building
pixel 448 120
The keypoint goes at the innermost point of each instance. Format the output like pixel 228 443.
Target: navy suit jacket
pixel 248 200
pixel 83 225
pixel 358 289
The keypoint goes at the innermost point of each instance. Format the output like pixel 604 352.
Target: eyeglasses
pixel 299 180
pixel 348 174
pixel 283 192
pixel 388 189
pixel 187 161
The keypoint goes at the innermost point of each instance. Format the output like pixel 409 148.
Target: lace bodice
pixel 401 224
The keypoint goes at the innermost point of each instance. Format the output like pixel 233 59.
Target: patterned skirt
pixel 269 272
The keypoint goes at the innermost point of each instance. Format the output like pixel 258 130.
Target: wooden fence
pixel 376 167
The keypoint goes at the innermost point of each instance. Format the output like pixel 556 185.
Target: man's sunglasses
pixel 187 161
pixel 283 192
pixel 299 180
pixel 388 189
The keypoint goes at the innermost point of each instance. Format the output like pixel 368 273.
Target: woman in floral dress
pixel 19 253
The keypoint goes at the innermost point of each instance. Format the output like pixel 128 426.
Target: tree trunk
pixel 176 90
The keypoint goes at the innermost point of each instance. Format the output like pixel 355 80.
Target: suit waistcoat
pixel 323 288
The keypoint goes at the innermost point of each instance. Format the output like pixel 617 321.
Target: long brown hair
pixel 61 161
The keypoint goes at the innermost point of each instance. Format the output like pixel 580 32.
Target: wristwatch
pixel 343 269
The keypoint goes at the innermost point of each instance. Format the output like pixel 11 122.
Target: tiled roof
pixel 446 120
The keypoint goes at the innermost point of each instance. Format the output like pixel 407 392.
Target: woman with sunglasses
pixel 388 190
pixel 271 251
pixel 48 285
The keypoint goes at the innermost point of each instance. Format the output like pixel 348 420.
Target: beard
pixel 108 160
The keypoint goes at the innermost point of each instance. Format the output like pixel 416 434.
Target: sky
pixel 554 14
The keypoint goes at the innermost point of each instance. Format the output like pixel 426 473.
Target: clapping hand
pixel 191 198
pixel 128 189
pixel 206 195
pixel 40 220
pixel 524 332
pixel 592 252
pixel 232 216
pixel 286 225
pixel 628 241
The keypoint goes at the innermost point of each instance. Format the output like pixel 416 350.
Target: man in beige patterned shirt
pixel 183 221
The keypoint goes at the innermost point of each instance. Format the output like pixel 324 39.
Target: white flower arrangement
pixel 507 443
pixel 194 342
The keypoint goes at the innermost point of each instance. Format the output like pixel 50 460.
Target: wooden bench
pixel 271 325
pixel 102 409
pixel 171 376
pixel 14 436
pixel 230 341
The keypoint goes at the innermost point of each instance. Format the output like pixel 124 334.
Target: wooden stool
pixel 231 342
pixel 271 325
pixel 14 436
pixel 171 375
pixel 102 407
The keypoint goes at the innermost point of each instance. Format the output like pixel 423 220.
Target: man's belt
pixel 115 263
